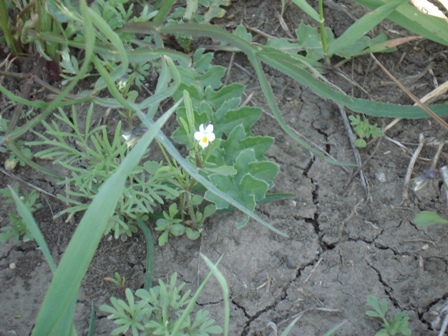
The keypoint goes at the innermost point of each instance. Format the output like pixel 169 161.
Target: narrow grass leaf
pixel 32 226
pixel 65 325
pixel 363 26
pixel 149 253
pixel 303 5
pixel 334 329
pixel 225 291
pixel 102 25
pixel 409 17
pixel 180 322
pixel 290 326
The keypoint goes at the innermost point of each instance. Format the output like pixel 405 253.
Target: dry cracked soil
pixel 344 243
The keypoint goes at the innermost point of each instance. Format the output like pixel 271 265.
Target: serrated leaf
pixel 284 45
pixel 212 77
pixel 242 33
pixel 371 313
pixel 264 170
pixel 245 116
pixel 217 98
pixel 238 141
pixel 426 218
pixel 202 62
pixel 254 186
pixel 163 239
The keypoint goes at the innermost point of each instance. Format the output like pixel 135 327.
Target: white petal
pixel 209 128
pixel 201 128
pixel 211 137
pixel 198 135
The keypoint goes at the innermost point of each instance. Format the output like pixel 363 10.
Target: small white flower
pixel 205 135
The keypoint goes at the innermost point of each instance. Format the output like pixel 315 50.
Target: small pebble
pixel 425 247
pixel 380 177
pixel 290 262
pixel 12 266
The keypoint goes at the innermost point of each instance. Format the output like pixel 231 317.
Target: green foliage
pixel 91 162
pixel 158 312
pixel 427 218
pixel 364 130
pixel 13 159
pixel 398 325
pixel 17 228
pixel 117 281
pixel 235 162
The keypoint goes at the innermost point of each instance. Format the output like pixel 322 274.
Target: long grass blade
pixel 64 325
pixel 149 253
pixel 291 67
pixel 225 291
pixel 363 26
pixel 303 5
pixel 32 226
pixel 180 323
pixel 409 17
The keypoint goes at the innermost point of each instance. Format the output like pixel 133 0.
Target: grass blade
pixel 149 253
pixel 225 291
pixel 363 26
pixel 64 325
pixel 409 17
pixel 32 226
pixel 303 5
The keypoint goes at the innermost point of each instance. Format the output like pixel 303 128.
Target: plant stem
pixel 323 35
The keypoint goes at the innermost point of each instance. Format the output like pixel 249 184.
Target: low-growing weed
pixel 364 130
pixel 17 228
pixel 158 311
pixel 398 325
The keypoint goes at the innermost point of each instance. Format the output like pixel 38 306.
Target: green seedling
pixel 159 311
pixel 398 325
pixel 117 281
pixel 427 218
pixel 364 130
pixel 170 225
pixel 17 230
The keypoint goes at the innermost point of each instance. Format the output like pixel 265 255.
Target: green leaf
pixel 264 170
pixel 177 229
pixel 163 239
pixel 245 116
pixel 412 19
pixel 228 92
pixel 426 218
pixel 362 26
pixel 303 5
pixel 192 234
pixel 67 278
pixel 371 313
pixel 360 143
pixel 242 33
